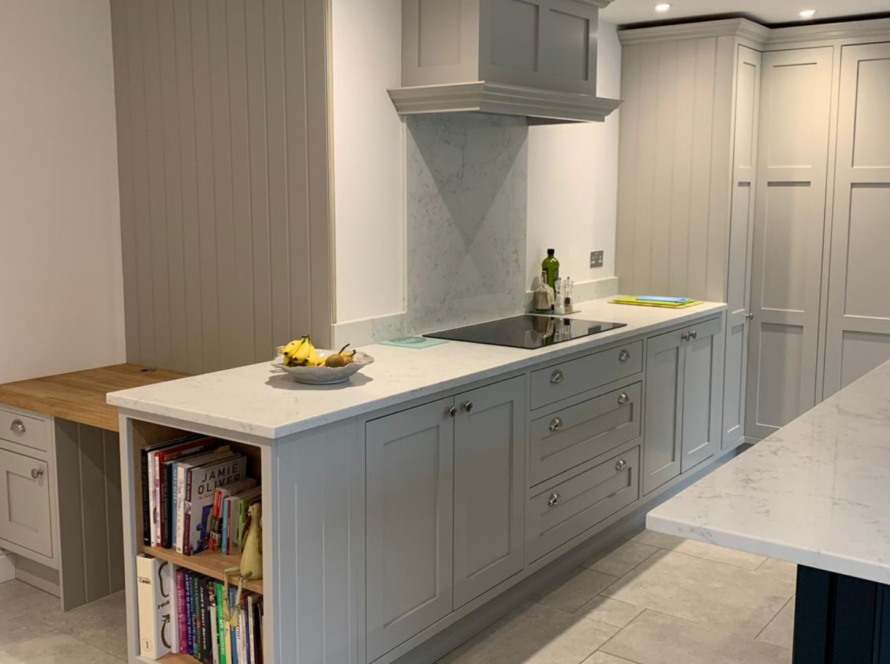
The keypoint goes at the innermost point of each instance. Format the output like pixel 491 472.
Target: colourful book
pixel 215 526
pixel 181 612
pixel 154 588
pixel 221 621
pixel 212 618
pixel 182 471
pixel 201 482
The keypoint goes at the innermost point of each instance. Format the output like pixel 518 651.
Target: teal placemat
pixel 418 343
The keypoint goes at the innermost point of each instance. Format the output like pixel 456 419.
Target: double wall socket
pixel 596 258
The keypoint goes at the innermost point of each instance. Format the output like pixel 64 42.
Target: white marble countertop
pixel 816 492
pixel 263 401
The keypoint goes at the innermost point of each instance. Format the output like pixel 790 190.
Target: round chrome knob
pixel 686 336
pixel 36 473
pixel 467 406
pixel 554 499
pixel 557 377
pixel 17 426
pixel 624 355
pixel 694 334
pixel 555 424
pixel 749 316
pixel 621 465
pixel 451 411
pixel 623 398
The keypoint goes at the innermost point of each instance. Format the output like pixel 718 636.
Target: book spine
pixel 159 506
pixel 149 636
pixel 181 612
pixel 233 635
pixel 180 507
pixel 220 611
pixel 213 621
pixel 166 505
pixel 189 626
pixel 207 624
pixel 169 574
pixel 146 505
pixel 225 526
pixel 196 632
pixel 251 644
pixel 187 514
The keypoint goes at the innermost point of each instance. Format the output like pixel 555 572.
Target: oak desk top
pixel 80 396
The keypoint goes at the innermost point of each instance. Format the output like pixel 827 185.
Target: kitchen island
pixel 816 493
pixel 409 508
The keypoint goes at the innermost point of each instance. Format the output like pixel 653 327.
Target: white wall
pixel 573 182
pixel 61 294
pixel 368 159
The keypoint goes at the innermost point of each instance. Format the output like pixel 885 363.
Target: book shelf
pixel 178 659
pixel 208 563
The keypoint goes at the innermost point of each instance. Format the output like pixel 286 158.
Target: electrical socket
pixel 596 258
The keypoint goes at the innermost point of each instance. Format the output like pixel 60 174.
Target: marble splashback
pixel 467 184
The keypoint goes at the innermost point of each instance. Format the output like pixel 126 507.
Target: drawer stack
pixel 574 483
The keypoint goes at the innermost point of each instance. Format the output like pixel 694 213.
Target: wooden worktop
pixel 80 396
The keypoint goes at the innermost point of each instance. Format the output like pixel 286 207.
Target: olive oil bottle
pixel 550 266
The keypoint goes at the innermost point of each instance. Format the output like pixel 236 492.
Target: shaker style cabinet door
pixel 489 487
pixel 24 503
pixel 702 392
pixel 409 486
pixel 663 409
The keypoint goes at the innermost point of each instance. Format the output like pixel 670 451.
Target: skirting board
pixel 37 575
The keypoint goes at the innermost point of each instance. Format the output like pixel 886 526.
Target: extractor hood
pixel 531 58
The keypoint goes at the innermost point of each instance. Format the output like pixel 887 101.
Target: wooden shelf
pixel 209 563
pixel 178 659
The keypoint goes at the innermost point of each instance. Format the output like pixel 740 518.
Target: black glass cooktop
pixel 526 331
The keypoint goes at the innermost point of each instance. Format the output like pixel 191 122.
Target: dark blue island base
pixel 840 619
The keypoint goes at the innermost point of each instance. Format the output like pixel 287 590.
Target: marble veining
pixel 262 401
pixel 816 492
pixel 467 187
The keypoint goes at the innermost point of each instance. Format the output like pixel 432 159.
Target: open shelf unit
pixel 178 659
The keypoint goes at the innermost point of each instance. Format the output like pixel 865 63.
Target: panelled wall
pixel 222 112
pixel 675 139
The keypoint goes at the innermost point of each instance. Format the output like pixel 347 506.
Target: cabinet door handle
pixel 17 426
pixel 624 355
pixel 467 406
pixel 554 499
pixel 450 411
pixel 36 473
pixel 686 336
pixel 749 316
pixel 555 424
pixel 694 334
pixel 621 465
pixel 557 377
pixel 623 399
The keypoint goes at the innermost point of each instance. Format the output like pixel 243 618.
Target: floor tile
pixel 702 591
pixel 780 631
pixel 599 657
pixel 580 588
pixel 534 634
pixel 609 611
pixel 102 624
pixel 18 598
pixel 622 559
pixel 779 568
pixel 660 540
pixel 655 638
pixel 22 628
pixel 55 648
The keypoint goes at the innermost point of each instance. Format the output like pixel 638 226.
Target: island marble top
pixel 263 401
pixel 816 492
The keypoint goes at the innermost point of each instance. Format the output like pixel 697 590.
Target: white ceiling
pixel 624 12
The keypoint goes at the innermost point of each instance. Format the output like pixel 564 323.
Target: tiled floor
pixel 652 599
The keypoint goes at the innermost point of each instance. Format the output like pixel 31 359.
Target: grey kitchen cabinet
pixel 25 513
pixel 684 370
pixel 409 485
pixel 489 487
pixel 445 508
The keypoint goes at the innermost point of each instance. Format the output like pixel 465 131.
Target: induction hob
pixel 527 331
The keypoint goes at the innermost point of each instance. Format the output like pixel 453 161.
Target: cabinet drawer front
pixel 586 373
pixel 24 430
pixel 568 509
pixel 24 503
pixel 568 438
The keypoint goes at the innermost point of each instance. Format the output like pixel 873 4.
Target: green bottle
pixel 550 266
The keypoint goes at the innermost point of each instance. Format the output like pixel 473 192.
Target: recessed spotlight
pixel 807 13
pixel 662 7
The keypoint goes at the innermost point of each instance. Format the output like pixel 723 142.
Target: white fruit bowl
pixel 325 375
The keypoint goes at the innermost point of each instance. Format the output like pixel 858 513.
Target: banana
pixel 297 352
